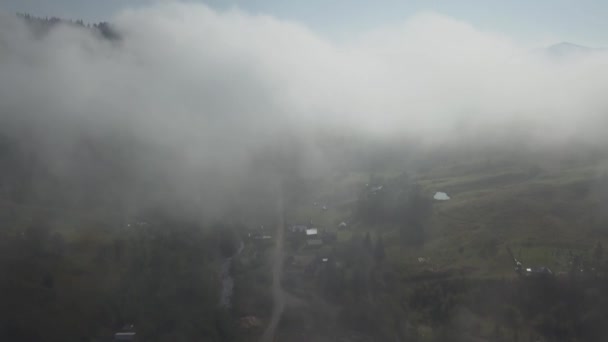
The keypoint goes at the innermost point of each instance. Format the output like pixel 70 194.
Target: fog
pixel 210 103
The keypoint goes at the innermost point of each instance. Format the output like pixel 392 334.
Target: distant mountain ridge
pixel 566 49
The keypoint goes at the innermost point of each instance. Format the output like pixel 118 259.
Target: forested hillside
pixel 81 258
pixel 186 174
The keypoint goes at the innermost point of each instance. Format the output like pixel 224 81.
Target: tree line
pixel 42 25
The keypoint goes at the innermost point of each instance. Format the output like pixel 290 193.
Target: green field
pixel 546 215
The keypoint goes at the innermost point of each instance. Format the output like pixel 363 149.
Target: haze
pixel 189 173
pixel 215 90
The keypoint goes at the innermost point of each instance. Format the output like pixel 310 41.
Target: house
pixel 127 333
pixel 312 237
pixel 125 336
pixel 538 271
pixel 441 196
pixel 298 228
pixel 258 236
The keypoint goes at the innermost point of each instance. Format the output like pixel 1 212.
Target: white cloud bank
pixel 207 69
pixel 219 86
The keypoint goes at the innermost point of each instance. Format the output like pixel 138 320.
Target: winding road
pixel 278 295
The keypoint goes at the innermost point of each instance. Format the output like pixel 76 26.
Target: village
pixel 332 257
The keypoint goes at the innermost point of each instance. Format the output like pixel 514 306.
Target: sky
pixel 535 23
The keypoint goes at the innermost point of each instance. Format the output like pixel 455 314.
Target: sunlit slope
pixel 542 213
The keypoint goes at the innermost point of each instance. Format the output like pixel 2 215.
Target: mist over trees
pixel 41 26
pixel 138 156
pixel 222 103
pixel 397 201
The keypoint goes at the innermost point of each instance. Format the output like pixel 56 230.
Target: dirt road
pixel 278 295
pixel 227 279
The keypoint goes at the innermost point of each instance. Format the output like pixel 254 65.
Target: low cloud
pixel 220 91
